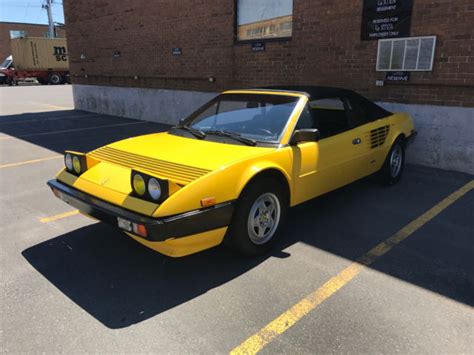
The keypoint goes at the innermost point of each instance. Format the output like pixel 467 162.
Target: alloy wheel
pixel 264 218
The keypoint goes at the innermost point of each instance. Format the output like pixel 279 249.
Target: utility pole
pixel 48 8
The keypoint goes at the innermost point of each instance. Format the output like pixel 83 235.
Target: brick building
pixel 28 29
pixel 159 60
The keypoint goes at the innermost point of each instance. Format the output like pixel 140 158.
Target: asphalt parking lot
pixel 70 284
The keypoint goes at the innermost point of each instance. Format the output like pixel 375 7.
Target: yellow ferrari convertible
pixel 231 170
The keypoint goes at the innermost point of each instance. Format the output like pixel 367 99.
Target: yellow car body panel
pixel 187 152
pixel 200 169
pixel 179 247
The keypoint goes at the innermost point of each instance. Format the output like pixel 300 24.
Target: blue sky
pixel 29 11
pixel 258 10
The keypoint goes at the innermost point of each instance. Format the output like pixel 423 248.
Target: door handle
pixel 357 141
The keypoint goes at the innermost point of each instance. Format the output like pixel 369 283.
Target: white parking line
pixel 46 119
pixel 72 130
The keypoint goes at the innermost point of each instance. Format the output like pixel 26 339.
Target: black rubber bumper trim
pixel 158 229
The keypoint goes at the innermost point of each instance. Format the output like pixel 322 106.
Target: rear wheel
pixel 55 79
pixel 392 168
pixel 259 217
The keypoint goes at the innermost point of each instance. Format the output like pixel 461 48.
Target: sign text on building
pixel 386 19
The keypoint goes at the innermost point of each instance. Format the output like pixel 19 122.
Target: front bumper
pixel 158 229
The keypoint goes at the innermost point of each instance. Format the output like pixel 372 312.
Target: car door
pixel 319 167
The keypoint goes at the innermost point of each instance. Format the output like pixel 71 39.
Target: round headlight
pixel 76 164
pixel 154 189
pixel 68 161
pixel 139 184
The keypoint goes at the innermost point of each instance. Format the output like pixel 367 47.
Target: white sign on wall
pixel 406 54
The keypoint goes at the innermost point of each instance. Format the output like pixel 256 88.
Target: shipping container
pixel 37 53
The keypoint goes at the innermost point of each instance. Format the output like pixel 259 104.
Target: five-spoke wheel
pixel 392 168
pixel 263 218
pixel 259 215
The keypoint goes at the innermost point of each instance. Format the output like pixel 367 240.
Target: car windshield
pixel 260 117
pixel 6 63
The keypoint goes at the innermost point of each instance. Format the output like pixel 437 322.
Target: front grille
pixel 378 136
pixel 179 173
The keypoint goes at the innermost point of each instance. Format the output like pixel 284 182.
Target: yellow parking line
pixel 287 319
pixel 58 107
pixel 59 216
pixel 50 106
pixel 29 161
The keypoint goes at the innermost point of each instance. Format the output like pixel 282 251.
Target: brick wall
pixel 32 30
pixel 325 48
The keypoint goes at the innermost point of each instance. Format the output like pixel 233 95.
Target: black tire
pixel 392 169
pixel 266 190
pixel 42 81
pixel 55 79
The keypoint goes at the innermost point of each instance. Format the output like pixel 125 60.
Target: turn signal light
pixel 208 201
pixel 140 229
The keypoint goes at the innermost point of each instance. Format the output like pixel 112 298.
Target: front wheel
pixel 259 217
pixel 392 168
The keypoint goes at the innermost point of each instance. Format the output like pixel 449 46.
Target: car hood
pixel 176 158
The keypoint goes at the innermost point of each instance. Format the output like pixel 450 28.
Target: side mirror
pixel 305 135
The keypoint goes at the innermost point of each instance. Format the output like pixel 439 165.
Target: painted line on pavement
pixel 50 106
pixel 29 161
pixel 286 320
pixel 73 130
pixel 59 216
pixel 58 107
pixel 47 119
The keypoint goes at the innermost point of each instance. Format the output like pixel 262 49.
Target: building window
pixel 406 54
pixel 264 19
pixel 17 34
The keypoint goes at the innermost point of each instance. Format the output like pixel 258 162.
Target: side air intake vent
pixel 378 136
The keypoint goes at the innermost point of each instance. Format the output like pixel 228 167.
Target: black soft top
pixel 326 92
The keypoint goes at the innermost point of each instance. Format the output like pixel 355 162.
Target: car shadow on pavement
pixel 73 129
pixel 120 282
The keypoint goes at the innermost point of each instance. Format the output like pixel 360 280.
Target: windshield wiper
pixel 195 132
pixel 234 135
